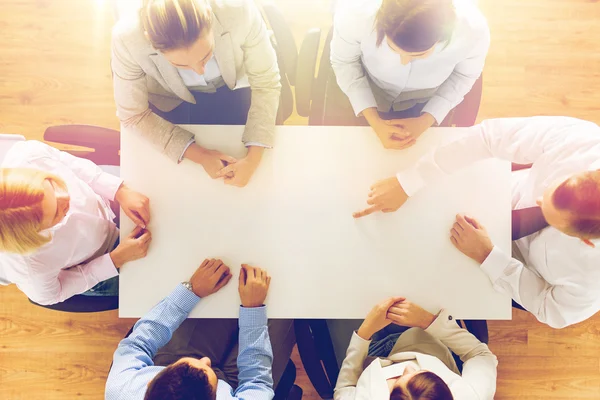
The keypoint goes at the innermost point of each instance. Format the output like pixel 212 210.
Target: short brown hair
pixel 423 386
pixel 180 381
pixel 175 24
pixel 580 196
pixel 415 25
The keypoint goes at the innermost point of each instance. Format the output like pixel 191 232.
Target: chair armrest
pixel 84 135
pixel 305 72
pixel 286 45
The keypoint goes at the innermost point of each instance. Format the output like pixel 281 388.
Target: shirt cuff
pixel 103 268
pixel 438 107
pixel 441 323
pixel 184 298
pixel 361 99
pixel 411 181
pixel 257 144
pixel 255 317
pixel 191 142
pixel 107 185
pixel 495 264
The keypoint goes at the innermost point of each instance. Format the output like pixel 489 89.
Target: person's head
pixel 413 28
pixel 419 385
pixel 180 30
pixel 573 205
pixel 186 379
pixel 31 201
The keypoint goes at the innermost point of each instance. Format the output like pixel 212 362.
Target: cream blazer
pixel 477 382
pixel 142 75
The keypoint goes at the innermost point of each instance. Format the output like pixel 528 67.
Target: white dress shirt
pixel 449 73
pixel 560 280
pixel 76 258
pixel 477 381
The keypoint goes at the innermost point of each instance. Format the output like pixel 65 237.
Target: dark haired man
pixel 202 361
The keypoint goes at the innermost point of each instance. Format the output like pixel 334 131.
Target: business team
pixel 403 66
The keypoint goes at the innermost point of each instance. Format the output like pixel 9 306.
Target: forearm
pixel 352 366
pixel 255 358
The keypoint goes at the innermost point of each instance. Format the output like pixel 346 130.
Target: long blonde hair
pixel 21 213
pixel 175 24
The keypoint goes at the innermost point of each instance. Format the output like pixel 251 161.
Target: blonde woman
pixel 405 64
pixel 197 62
pixel 57 234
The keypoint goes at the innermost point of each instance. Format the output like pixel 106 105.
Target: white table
pixel 295 219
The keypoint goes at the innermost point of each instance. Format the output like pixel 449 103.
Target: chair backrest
pixel 6 142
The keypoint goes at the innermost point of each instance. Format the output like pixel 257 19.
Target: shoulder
pixel 232 13
pixel 128 32
pixel 470 19
pixel 27 151
pixel 355 18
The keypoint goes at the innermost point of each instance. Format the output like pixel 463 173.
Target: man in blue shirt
pixel 136 375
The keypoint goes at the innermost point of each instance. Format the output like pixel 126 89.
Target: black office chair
pixel 318 356
pixel 103 145
pixel 286 389
pixel 287 56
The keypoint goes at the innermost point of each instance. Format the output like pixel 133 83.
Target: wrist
pixel 255 153
pixel 372 116
pixel 120 193
pixel 365 333
pixel 428 321
pixel 116 258
pixel 428 119
pixel 195 153
pixel 484 254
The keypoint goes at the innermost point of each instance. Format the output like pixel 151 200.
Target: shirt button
pixel 449 317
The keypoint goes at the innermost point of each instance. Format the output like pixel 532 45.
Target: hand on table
pixel 135 246
pixel 471 238
pixel 254 286
pixel 212 161
pixel 377 318
pixel 413 127
pixel 210 277
pixel 239 173
pixel 386 196
pixel 405 313
pixel 135 205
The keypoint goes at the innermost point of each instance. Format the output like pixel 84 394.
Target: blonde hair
pixel 175 24
pixel 21 213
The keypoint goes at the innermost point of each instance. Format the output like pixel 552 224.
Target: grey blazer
pixel 142 75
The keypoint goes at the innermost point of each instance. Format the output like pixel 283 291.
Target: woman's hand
pixel 239 173
pixel 405 313
pixel 391 136
pixel 212 161
pixel 135 246
pixel 414 127
pixel 135 205
pixel 377 319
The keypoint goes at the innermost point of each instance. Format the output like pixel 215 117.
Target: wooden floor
pixel 54 69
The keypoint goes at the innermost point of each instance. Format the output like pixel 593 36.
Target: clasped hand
pixel 394 310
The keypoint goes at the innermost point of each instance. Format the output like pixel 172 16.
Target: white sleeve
pixel 452 92
pixel 346 61
pixel 519 140
pixel 557 306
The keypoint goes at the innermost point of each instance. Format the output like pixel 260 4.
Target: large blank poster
pixel 295 219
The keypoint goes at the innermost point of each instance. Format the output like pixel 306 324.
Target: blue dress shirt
pixel 133 367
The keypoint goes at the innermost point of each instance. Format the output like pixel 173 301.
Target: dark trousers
pixel 217 339
pixel 224 107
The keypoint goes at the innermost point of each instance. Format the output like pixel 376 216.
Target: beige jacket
pixel 142 75
pixel 477 382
